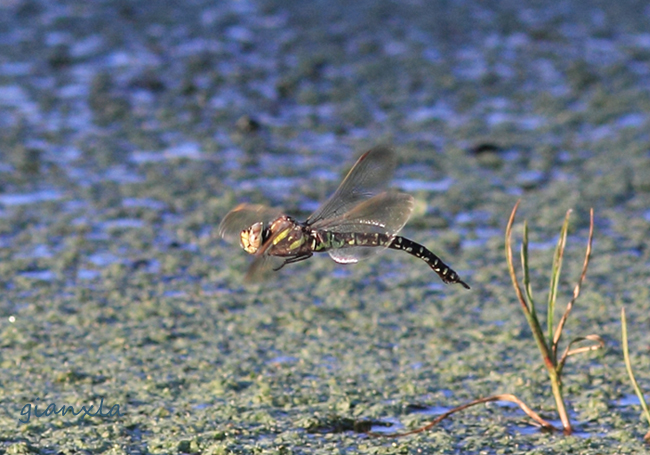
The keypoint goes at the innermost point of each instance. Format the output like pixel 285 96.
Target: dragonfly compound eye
pixel 251 238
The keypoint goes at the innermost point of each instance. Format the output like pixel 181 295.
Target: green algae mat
pixel 128 131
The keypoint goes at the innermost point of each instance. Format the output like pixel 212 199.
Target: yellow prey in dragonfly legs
pixel 360 219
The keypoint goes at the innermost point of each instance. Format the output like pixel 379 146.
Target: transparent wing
pixel 369 175
pixel 385 213
pixel 353 254
pixel 262 267
pixel 264 263
pixel 244 216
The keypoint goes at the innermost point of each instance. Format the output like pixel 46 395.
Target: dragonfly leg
pixel 293 260
pixel 299 258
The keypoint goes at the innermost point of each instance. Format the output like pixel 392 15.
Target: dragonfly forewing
pixel 368 177
pixel 244 216
pixel 385 213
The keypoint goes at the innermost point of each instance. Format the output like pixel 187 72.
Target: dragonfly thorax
pixel 252 238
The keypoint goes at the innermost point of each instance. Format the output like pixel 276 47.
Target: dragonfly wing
pixel 261 268
pixel 385 214
pixel 352 254
pixel 369 175
pixel 244 216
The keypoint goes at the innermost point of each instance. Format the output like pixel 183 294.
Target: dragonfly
pixel 360 219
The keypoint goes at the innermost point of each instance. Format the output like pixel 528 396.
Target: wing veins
pixel 369 176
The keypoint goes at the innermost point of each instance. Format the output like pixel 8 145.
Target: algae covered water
pixel 129 130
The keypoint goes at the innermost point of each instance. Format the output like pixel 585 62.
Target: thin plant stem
pixel 503 397
pixel 533 322
pixel 524 265
pixel 511 267
pixel 555 280
pixel 600 344
pixel 628 366
pixel 576 290
pixel 556 388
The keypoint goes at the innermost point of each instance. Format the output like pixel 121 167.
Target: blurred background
pixel 129 129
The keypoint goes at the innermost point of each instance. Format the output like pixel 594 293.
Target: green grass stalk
pixel 628 366
pixel 548 343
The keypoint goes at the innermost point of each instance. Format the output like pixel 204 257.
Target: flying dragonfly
pixel 359 220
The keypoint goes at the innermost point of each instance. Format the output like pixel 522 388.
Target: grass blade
pixel 555 279
pixel 628 366
pixel 524 266
pixel 511 266
pixel 531 318
pixel 576 290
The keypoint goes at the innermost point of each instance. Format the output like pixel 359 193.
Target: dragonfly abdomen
pixel 324 241
pixel 446 273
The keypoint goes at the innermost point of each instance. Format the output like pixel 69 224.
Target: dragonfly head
pixel 251 238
